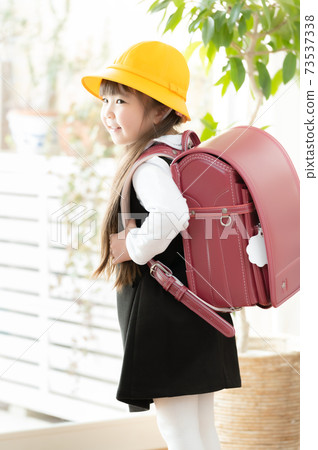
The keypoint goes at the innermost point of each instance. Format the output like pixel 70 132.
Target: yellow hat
pixel 154 68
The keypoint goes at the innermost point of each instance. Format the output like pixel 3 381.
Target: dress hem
pixel 137 400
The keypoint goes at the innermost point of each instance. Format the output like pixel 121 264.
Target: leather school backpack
pixel 241 247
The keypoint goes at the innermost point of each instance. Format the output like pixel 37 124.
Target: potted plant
pixel 265 412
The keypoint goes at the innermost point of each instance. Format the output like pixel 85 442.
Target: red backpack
pixel 241 247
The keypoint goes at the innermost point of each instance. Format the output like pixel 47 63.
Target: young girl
pixel 171 356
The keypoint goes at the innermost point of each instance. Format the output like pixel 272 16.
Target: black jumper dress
pixel 168 350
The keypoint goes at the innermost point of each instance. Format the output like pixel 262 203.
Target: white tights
pixel 187 422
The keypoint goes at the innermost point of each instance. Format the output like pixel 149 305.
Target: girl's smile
pixel 123 115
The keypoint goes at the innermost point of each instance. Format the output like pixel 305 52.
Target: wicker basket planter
pixel 264 413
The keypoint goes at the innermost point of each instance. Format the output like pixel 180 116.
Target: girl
pixel 171 356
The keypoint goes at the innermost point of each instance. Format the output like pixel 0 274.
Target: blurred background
pixel 60 347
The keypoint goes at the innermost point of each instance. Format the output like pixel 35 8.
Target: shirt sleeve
pixel 168 211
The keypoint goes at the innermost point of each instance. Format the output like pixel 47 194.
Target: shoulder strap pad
pixel 189 139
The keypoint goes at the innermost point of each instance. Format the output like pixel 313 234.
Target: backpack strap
pixel 156 150
pixel 184 295
pixel 189 139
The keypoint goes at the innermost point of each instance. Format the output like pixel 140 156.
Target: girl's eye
pixel 119 101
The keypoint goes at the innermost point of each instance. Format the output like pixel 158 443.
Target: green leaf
pixel 289 2
pixel 206 134
pixel 276 81
pixel 227 66
pixel 296 36
pixel 264 79
pixel 209 122
pixel 277 41
pixel 242 26
pixel 197 22
pixel 272 44
pixel 278 18
pixel 211 52
pixel 210 127
pixel 249 20
pixel 174 19
pixel 194 25
pixel 247 13
pixel 221 80
pixel 219 18
pixel 267 15
pixel 289 67
pixel 225 85
pixel 158 6
pixel 285 33
pixel 235 12
pixel 178 3
pixel 207 30
pixel 237 72
pixel 222 36
pixel 230 51
pixel 226 36
pixel 225 81
pixel 190 49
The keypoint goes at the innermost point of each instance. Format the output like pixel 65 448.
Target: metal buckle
pixel 229 218
pixel 163 268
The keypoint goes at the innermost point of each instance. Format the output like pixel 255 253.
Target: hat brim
pixel 148 87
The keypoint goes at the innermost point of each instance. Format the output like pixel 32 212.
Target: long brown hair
pixel 127 271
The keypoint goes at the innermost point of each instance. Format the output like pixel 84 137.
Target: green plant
pixel 250 31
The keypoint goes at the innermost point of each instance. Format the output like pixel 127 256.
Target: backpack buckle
pixel 226 216
pixel 161 266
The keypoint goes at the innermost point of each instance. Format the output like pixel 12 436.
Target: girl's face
pixel 123 115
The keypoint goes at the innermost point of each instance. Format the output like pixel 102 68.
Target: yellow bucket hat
pixel 153 68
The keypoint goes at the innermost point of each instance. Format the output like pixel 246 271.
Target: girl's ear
pixel 161 113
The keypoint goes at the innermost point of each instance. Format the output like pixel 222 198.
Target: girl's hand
pixel 117 244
